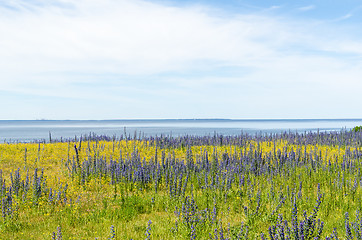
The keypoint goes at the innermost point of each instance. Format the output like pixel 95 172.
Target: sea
pixel 39 130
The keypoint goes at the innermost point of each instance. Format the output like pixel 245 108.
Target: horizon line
pixel 186 119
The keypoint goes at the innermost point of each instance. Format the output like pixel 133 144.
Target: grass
pixel 215 187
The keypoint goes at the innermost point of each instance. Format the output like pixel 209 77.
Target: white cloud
pixel 344 17
pixel 46 49
pixel 307 8
pixel 132 37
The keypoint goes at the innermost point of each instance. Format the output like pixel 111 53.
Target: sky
pixel 150 59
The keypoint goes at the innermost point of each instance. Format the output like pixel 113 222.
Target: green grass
pixel 250 191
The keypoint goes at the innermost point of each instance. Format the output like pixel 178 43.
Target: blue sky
pixel 119 59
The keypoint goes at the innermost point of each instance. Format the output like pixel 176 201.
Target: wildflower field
pixel 265 186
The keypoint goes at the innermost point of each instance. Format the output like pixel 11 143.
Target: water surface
pixel 29 130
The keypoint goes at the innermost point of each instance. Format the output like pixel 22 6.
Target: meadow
pixel 264 186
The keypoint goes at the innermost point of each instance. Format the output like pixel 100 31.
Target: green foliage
pixel 223 195
pixel 357 129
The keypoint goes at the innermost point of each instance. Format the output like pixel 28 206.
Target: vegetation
pixel 277 186
pixel 357 129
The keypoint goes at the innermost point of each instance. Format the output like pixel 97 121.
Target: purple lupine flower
pixel 295 221
pixel 148 230
pixel 193 232
pixel 349 235
pixel 113 233
pixel 59 233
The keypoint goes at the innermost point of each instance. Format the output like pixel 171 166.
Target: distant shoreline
pixel 28 130
pixel 189 119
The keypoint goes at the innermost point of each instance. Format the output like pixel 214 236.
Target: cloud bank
pixel 139 59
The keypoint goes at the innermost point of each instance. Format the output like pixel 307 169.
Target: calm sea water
pixel 37 130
